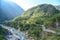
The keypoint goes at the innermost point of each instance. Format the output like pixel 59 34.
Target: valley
pixel 40 22
pixel 32 19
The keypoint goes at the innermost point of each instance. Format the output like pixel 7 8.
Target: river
pixel 18 35
pixel 15 34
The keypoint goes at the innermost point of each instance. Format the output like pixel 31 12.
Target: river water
pixel 14 34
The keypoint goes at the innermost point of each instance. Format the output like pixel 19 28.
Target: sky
pixel 26 4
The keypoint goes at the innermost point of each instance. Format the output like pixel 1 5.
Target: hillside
pixel 9 10
pixel 31 21
pixel 3 33
pixel 48 10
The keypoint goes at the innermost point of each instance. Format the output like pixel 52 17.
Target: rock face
pixel 9 10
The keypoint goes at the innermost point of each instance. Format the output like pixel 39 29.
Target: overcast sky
pixel 26 4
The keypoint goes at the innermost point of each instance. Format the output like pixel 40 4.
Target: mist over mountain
pixel 58 7
pixel 9 10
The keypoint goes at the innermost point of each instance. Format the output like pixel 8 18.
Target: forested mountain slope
pixel 32 19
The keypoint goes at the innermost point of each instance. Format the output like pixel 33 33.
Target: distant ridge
pixel 9 10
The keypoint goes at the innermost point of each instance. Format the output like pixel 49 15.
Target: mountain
pixel 32 19
pixel 9 10
pixel 41 11
pixel 48 10
pixel 41 14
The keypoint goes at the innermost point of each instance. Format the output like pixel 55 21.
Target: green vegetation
pixel 2 33
pixel 32 19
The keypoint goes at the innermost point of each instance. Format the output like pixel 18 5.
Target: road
pixel 47 30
